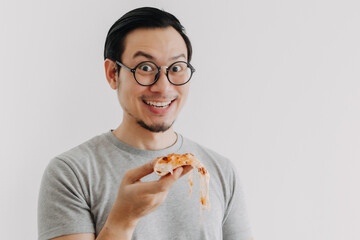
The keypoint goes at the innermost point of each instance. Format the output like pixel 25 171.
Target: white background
pixel 276 90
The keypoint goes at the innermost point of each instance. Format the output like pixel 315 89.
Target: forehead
pixel 160 43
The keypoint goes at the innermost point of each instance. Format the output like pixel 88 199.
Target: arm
pixel 81 236
pixel 236 223
pixel 135 199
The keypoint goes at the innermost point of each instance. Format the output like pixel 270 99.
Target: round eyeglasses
pixel 147 73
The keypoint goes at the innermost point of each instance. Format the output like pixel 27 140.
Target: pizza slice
pixel 167 164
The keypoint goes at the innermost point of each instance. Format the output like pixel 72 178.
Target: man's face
pixel 153 107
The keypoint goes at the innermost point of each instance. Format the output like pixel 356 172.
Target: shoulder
pixel 86 151
pixel 82 159
pixel 87 148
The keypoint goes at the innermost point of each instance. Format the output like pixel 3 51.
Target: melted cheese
pixel 167 164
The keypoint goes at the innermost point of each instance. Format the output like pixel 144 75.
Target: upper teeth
pixel 158 104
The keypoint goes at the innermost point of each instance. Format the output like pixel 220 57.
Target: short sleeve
pixel 62 206
pixel 236 224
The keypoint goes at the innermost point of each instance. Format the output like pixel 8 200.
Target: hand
pixel 136 199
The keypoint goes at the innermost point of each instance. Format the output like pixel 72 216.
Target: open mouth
pixel 158 104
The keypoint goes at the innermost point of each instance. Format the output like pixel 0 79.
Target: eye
pixel 146 68
pixel 176 68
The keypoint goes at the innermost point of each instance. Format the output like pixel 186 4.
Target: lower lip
pixel 160 111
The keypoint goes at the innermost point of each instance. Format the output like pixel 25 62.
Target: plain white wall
pixel 276 90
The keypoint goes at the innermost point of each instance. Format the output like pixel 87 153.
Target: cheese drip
pixel 167 164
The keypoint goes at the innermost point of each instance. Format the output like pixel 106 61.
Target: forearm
pixel 117 227
pixel 109 233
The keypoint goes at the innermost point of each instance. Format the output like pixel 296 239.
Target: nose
pixel 162 84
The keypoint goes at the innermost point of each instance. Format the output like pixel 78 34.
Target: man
pixel 104 188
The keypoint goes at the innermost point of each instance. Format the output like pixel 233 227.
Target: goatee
pixel 155 128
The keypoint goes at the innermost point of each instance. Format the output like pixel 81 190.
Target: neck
pixel 139 137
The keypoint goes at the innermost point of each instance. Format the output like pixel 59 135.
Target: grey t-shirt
pixel 79 187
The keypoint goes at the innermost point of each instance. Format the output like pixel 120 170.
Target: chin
pixel 163 127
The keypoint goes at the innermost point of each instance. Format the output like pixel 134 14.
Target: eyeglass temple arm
pixel 122 65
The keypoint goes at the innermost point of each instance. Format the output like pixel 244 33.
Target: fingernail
pixel 179 171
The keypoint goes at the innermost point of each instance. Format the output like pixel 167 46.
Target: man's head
pixel 146 17
pixel 142 35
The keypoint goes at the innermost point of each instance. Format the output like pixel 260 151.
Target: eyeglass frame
pixel 133 70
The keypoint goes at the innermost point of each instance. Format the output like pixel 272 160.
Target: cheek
pixel 128 94
pixel 122 93
pixel 184 93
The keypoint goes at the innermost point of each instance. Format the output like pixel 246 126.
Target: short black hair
pixel 145 17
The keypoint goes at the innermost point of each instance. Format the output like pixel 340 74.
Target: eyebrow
pixel 141 53
pixel 178 56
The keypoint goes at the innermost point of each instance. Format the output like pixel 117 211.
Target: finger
pixel 187 168
pixel 168 180
pixel 161 185
pixel 135 174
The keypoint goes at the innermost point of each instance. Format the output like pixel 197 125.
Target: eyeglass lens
pixel 178 73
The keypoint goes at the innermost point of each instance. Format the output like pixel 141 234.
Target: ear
pixel 111 73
